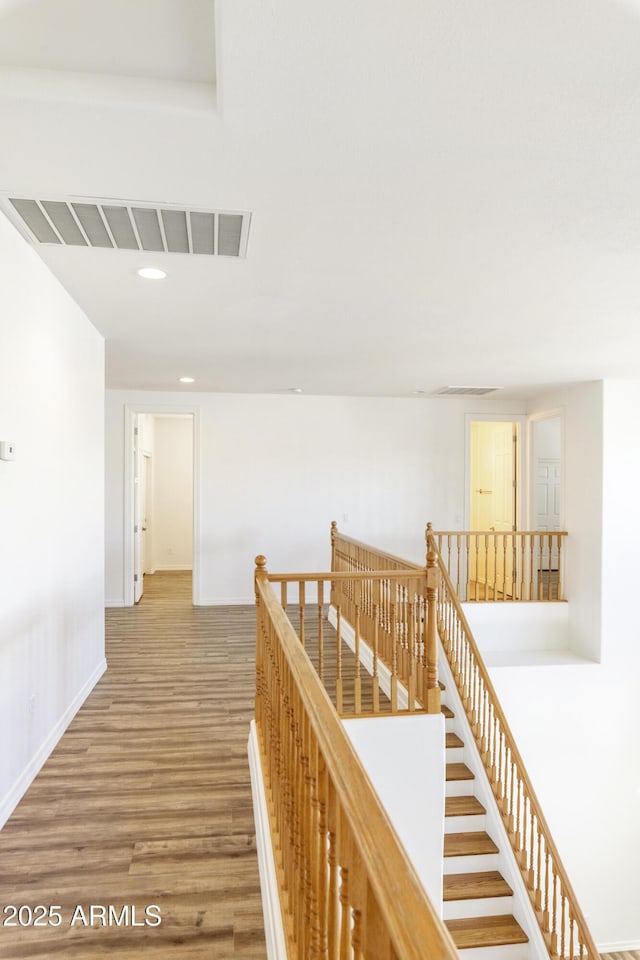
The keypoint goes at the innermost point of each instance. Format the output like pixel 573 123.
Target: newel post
pixel 432 574
pixel 260 575
pixel 334 537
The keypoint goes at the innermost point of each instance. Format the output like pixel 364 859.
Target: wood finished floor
pixel 147 798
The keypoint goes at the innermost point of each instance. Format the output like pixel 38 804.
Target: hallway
pixel 146 799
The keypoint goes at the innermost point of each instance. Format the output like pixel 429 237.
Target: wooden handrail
pixel 347 887
pixel 559 915
pixel 510 565
pixel 393 562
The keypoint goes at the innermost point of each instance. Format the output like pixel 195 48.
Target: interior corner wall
pixel 577 726
pixel 51 513
pixel 582 464
pixel 274 470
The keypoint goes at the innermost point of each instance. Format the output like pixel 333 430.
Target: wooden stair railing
pixel 390 618
pixel 347 888
pixel 559 916
pixel 519 565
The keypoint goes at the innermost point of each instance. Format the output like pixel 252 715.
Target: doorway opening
pixel 160 522
pixel 493 499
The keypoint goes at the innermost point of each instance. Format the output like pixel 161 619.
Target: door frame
pixel 518 418
pixel 179 408
pixel 532 419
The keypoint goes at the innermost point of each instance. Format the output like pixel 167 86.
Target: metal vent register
pixel 125 225
pixel 463 391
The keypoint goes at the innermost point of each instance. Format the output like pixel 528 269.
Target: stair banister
pixel 561 919
pixel 347 887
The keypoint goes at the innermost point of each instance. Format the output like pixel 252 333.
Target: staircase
pixel 478 902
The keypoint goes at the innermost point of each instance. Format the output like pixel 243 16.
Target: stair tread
pixel 486 931
pixel 463 807
pixel 458 771
pixel 446 711
pixel 469 844
pixel 475 886
pixel 453 740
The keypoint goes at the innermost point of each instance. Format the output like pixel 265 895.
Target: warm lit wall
pixel 172 507
pixel 51 513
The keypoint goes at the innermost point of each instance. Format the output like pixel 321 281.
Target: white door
pixel 548 503
pixel 138 514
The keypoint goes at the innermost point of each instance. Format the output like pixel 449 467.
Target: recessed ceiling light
pixel 186 379
pixel 295 389
pixel 151 273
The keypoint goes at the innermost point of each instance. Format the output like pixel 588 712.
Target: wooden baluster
pixel 411 666
pixel 322 874
pixel 432 577
pixel 311 932
pixel 539 886
pixel 320 589
pixel 333 911
pixel 339 660
pixel 393 693
pixel 283 594
pixel 301 605
pixel 458 584
pixel 555 943
pixel 345 916
pixel 560 586
pixel 334 561
pixel 375 677
pixel 357 682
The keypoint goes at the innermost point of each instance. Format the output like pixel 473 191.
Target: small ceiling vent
pixel 463 391
pixel 126 225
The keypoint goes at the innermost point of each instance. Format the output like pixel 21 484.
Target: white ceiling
pixel 441 193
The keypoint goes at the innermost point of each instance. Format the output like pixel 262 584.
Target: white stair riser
pixel 472 824
pixel 475 864
pixel 511 951
pixel 459 788
pixel 483 907
pixel 454 754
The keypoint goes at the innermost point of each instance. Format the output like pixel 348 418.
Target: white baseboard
pixel 10 801
pixel 273 929
pixel 620 946
pixel 227 601
pixel 171 566
pixel 114 603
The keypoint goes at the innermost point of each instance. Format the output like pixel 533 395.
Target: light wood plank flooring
pixel 147 799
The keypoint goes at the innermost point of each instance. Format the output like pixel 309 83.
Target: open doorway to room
pixel 494 470
pixel 159 525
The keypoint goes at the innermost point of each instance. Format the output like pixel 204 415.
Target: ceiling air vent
pixel 463 391
pixel 125 225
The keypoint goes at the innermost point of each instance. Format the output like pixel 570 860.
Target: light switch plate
pixel 7 450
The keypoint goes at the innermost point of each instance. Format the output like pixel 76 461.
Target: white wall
pixel 172 507
pixel 273 471
pixel 51 513
pixel 578 726
pixel 582 508
pixel 404 757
